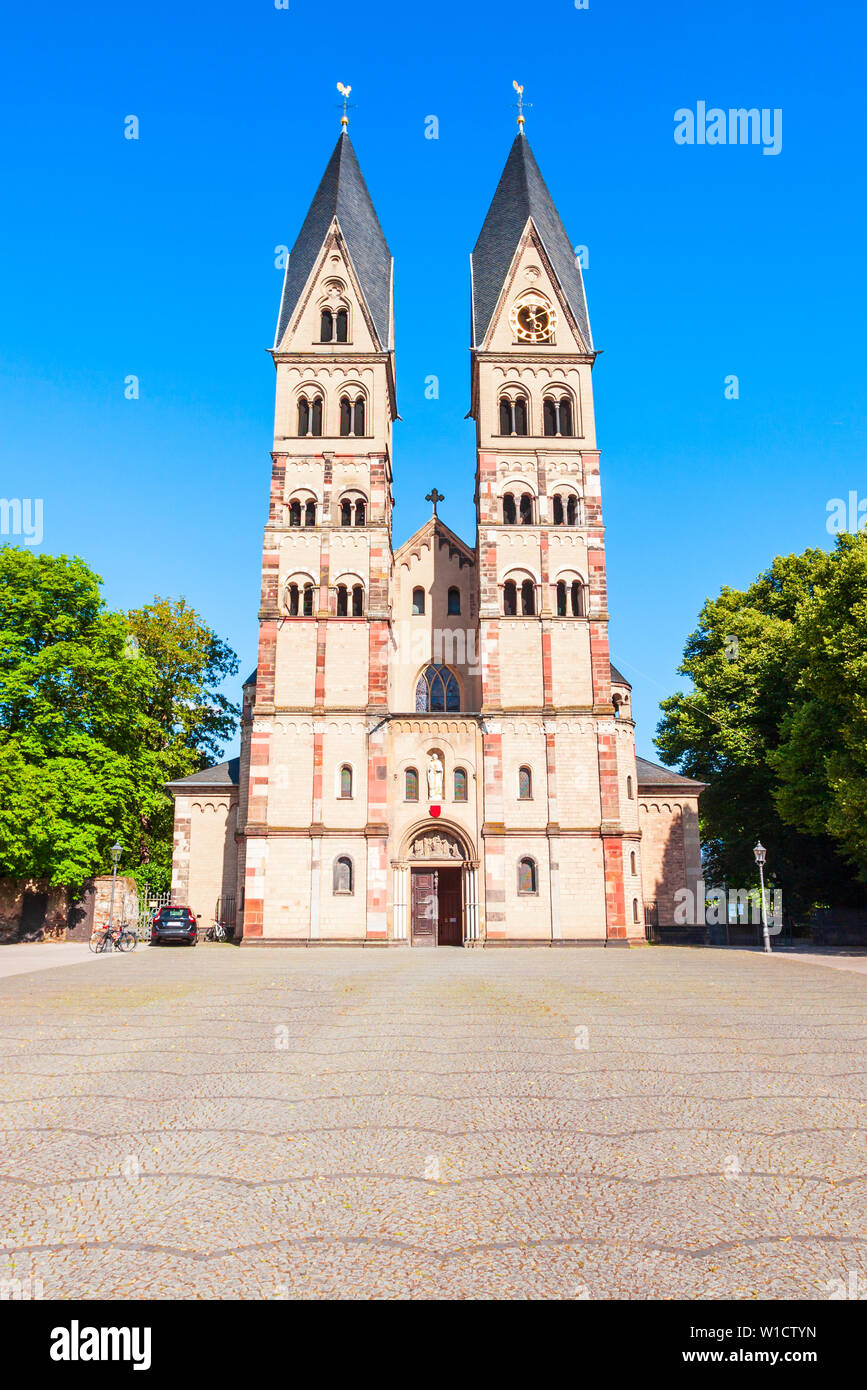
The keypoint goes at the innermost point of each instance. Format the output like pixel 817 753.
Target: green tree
pixel 821 760
pixel 187 717
pixel 746 661
pixel 97 711
pixel 70 719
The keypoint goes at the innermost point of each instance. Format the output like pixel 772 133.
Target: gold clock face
pixel 532 320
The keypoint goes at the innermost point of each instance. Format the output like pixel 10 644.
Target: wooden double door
pixel 437 917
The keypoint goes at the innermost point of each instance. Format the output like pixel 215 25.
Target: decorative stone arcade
pixel 436 889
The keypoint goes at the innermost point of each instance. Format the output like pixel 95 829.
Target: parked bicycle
pixel 219 932
pixel 113 938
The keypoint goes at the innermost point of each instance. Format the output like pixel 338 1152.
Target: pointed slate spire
pixel 522 193
pixel 342 194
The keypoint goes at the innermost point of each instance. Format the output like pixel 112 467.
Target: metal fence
pixel 225 911
pixel 149 905
pixel 741 933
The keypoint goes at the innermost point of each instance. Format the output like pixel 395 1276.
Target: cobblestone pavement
pixel 657 1123
pixel 25 957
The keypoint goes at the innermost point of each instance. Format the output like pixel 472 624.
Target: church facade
pixel 436 749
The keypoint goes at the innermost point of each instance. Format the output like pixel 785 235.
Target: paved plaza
pixel 225 1123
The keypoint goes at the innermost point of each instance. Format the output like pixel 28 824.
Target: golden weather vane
pixel 520 104
pixel 344 92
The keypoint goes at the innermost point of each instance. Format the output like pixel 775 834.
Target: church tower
pixel 560 774
pixel 322 674
pixel 435 747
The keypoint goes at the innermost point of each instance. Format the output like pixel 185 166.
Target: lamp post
pixel 116 852
pixel 760 855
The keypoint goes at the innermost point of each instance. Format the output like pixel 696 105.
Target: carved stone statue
pixel 434 778
pixel 436 845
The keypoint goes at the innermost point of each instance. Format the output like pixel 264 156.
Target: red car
pixel 178 924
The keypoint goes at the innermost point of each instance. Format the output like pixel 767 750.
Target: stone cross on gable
pixel 433 497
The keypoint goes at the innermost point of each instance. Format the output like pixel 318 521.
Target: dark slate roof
pixel 251 679
pixel 342 194
pixel 522 193
pixel 617 678
pixel 652 775
pixel 223 775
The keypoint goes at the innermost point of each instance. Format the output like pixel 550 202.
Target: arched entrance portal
pixel 436 890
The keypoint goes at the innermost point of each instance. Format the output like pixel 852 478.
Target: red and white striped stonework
pixel 357 808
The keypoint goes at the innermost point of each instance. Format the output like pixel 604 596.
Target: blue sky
pixel 155 258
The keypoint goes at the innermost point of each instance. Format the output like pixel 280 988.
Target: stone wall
pixel 670 850
pixel 31 909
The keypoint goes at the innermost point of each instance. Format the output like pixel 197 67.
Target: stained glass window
pixel 437 690
pixel 526 876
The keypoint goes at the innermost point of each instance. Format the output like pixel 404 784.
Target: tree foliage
pixel 188 719
pixel 775 725
pixel 97 711
pixel 821 761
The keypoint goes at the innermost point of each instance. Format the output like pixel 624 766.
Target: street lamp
pixel 760 855
pixel 116 852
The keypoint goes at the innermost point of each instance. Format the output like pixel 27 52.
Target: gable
pixel 531 273
pixel 332 283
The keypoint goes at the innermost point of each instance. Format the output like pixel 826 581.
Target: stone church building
pixel 435 746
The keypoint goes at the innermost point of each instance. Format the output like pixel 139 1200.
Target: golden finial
pixel 344 92
pixel 520 90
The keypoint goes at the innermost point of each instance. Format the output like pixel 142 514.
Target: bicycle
pixel 219 932
pixel 109 938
